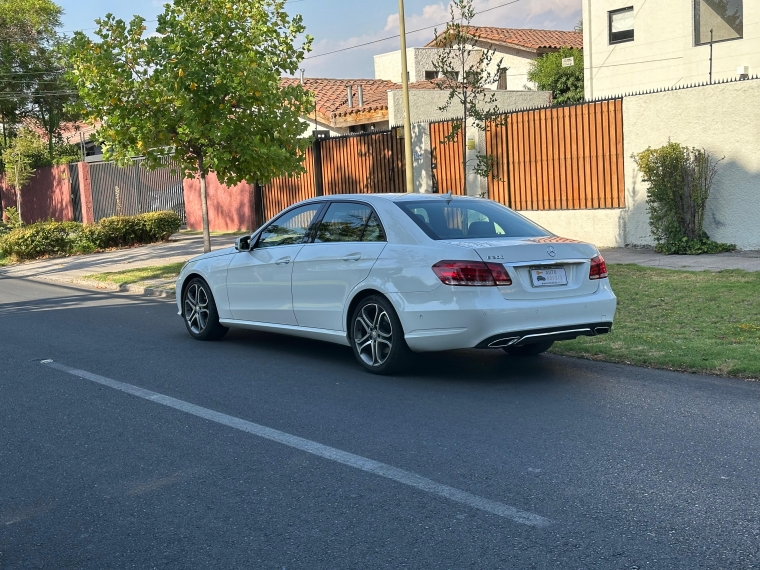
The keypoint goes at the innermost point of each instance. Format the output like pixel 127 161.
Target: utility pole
pixel 405 91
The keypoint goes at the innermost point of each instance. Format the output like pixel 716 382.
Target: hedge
pixel 67 238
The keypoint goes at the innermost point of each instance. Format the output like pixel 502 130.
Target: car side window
pixel 289 229
pixel 346 222
pixel 373 231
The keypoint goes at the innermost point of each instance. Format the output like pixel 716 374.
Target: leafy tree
pixel 565 83
pixel 466 77
pixel 205 89
pixel 31 81
pixel 21 157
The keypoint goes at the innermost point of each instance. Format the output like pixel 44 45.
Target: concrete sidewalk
pixel 746 260
pixel 75 270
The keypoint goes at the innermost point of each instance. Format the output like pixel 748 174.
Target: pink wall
pixel 46 196
pixel 229 209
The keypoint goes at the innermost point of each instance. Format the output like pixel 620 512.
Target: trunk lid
pixel 520 255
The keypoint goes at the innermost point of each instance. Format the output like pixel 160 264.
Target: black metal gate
pixel 132 190
pixel 76 197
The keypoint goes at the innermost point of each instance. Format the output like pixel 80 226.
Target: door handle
pixel 353 257
pixel 282 261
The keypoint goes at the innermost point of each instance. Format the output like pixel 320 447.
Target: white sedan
pixel 389 273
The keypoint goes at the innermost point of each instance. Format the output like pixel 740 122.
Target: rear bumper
pixel 474 317
pixel 521 338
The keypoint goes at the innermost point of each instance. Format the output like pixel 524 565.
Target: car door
pixel 258 281
pixel 347 242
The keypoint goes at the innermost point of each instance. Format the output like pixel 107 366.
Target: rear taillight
pixel 598 268
pixel 499 273
pixel 471 273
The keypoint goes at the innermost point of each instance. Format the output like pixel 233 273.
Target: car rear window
pixel 468 219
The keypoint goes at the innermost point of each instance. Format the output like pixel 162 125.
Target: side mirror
pixel 243 243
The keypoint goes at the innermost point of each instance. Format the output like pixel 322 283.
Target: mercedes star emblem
pixel 550 251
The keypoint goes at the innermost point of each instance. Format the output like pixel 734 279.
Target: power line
pixel 51 71
pixel 399 35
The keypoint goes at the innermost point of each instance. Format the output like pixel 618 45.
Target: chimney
pixel 350 97
pixel 361 96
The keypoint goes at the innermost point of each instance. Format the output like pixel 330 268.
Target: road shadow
pixel 472 366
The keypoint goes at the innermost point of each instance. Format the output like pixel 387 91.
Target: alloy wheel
pixel 196 308
pixel 373 334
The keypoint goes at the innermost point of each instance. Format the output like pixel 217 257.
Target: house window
pixel 724 17
pixel 621 25
pixel 430 75
pixel 502 79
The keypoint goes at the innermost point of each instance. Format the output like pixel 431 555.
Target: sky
pixel 339 24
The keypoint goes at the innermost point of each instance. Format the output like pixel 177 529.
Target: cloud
pixel 357 62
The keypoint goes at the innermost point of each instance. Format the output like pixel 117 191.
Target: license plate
pixel 548 276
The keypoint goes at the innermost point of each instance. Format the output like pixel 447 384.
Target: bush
pixel 49 238
pixel 120 231
pixel 13 217
pixel 67 238
pixel 679 181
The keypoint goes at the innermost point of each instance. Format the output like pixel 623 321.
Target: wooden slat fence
pixel 287 190
pixel 562 158
pixel 446 157
pixel 366 163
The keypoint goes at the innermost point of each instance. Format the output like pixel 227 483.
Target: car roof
pixel 400 197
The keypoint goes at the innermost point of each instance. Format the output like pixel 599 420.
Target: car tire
pixel 199 312
pixel 377 337
pixel 529 349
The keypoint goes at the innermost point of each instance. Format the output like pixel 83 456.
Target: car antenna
pixel 447 197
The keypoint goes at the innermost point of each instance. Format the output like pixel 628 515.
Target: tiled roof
pixel 69 131
pixel 332 96
pixel 530 39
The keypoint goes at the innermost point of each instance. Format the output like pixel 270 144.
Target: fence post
pixel 85 193
pixel 318 185
pixel 258 206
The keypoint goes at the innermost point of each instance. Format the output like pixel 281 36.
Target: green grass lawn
pixel 133 276
pixel 680 320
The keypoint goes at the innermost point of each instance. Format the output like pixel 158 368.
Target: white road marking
pixel 318 449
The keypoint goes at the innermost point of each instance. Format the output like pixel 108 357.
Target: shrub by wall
pixel 679 180
pixel 67 238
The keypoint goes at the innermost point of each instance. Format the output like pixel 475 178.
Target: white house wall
pixel 518 63
pixel 723 119
pixel 425 104
pixel 663 53
pixel 419 60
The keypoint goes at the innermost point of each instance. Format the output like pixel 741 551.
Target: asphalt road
pixel 633 468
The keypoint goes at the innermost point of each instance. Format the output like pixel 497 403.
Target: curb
pixel 113 287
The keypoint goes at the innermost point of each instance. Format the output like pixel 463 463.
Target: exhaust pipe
pixel 504 342
pixel 601 330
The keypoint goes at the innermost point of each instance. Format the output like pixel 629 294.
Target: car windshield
pixel 468 219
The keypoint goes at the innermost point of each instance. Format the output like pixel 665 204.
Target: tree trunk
pixel 204 206
pixel 18 190
pixel 464 145
pixel 50 135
